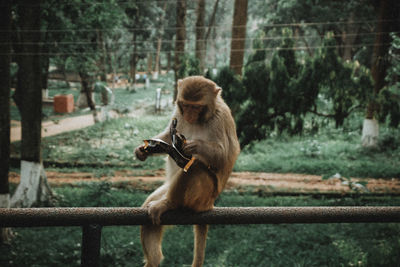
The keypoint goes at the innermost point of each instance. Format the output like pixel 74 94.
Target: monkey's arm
pixel 140 151
pixel 209 153
pixel 165 136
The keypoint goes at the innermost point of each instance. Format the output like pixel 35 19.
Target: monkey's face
pixel 191 110
pixel 196 99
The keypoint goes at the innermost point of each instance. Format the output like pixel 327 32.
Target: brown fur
pixel 212 140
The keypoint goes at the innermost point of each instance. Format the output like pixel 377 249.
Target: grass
pixel 375 244
pixel 321 154
pixel 110 144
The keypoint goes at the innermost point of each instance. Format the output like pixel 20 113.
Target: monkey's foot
pixel 155 209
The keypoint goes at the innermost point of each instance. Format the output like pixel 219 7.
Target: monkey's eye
pixel 196 107
pixel 192 107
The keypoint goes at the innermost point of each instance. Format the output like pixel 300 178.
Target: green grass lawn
pixel 375 244
pixel 326 153
pixel 110 145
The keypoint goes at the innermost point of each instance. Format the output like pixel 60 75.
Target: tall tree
pixel 141 16
pixel 180 38
pixel 200 30
pixel 238 36
pixel 5 38
pixel 33 187
pixel 210 24
pixel 387 21
pixel 159 41
pixel 311 20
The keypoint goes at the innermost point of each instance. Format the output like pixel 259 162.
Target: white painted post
pixel 155 75
pixel 147 82
pixel 158 99
pixel 28 189
pixel 370 133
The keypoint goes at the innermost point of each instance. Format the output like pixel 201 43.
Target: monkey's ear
pixel 217 90
pixel 179 82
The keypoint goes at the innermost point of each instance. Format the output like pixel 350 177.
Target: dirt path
pixel 268 182
pixel 50 128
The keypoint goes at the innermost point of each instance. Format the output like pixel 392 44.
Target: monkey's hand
pixel 141 153
pixel 209 153
pixel 191 147
pixel 156 208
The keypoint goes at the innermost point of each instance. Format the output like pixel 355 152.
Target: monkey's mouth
pixel 190 119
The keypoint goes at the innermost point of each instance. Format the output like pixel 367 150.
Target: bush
pixel 389 97
pixel 277 96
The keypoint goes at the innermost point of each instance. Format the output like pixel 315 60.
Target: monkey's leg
pixel 157 194
pixel 151 238
pixel 200 235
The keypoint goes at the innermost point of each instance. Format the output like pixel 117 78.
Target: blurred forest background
pixel 313 86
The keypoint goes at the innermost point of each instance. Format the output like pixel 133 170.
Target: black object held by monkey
pixel 174 150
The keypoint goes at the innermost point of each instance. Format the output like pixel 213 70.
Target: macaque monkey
pixel 206 122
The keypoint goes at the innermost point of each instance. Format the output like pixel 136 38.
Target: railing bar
pixel 33 217
pixel 91 243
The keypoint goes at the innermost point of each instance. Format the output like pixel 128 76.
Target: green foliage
pixel 189 66
pixel 280 93
pixel 389 140
pixel 275 99
pixel 389 96
pixel 233 91
pixel 347 86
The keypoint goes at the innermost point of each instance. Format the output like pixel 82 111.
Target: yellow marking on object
pixel 146 144
pixel 186 168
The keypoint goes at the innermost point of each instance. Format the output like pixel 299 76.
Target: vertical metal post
pixel 91 242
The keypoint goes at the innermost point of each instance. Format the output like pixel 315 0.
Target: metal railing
pixel 93 219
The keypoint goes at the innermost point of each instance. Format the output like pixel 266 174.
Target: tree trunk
pixel 212 21
pixel 180 39
pixel 169 60
pixel 28 97
pixel 159 43
pixel 87 93
pixel 133 62
pixel 5 38
pixel 387 15
pixel 45 58
pixel 62 69
pixel 200 41
pixel 103 69
pixel 157 61
pixel 103 56
pixel 349 37
pixel 209 30
pixel 238 36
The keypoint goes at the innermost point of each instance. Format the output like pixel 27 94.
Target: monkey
pixel 207 123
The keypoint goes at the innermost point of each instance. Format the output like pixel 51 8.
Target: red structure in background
pixel 63 103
